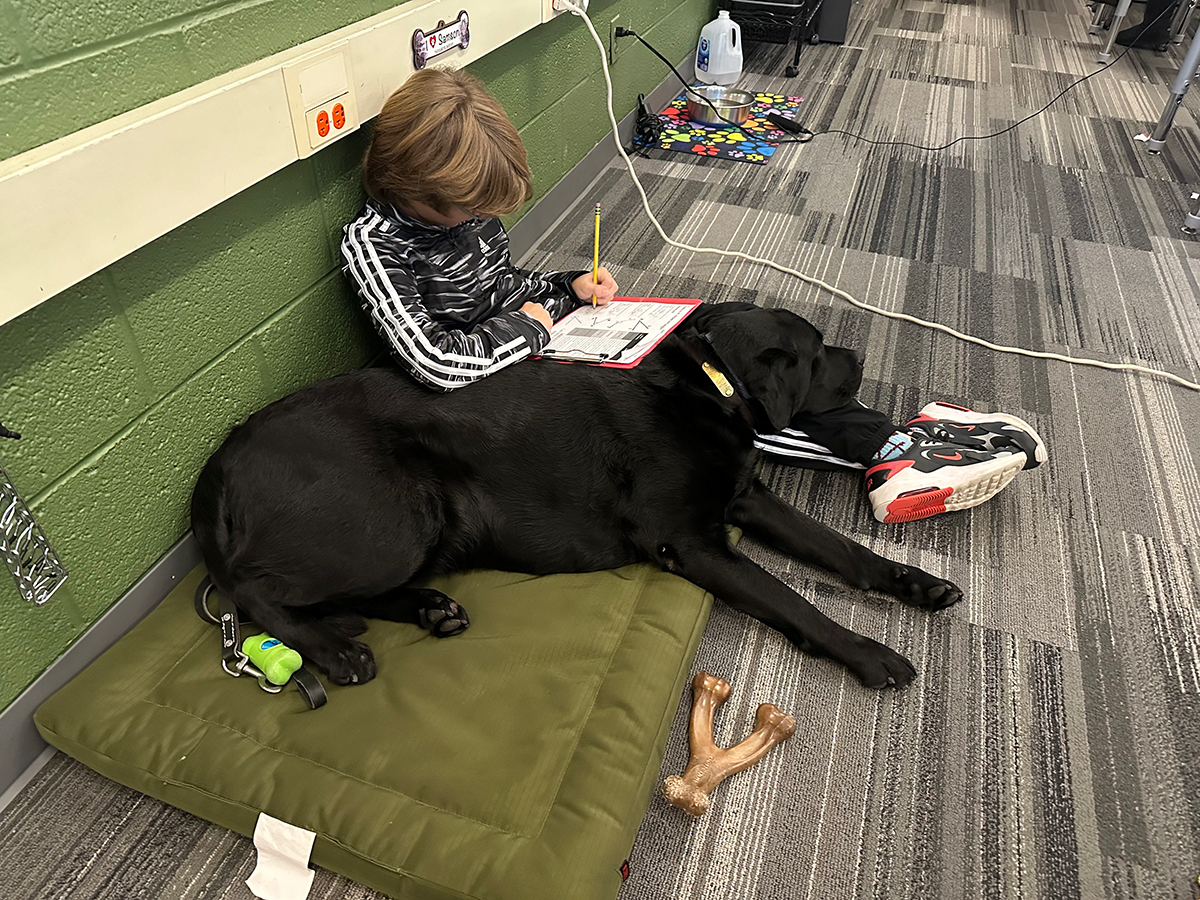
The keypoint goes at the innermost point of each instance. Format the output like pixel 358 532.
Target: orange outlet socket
pixel 329 121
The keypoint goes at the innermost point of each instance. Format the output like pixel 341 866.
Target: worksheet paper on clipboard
pixel 618 334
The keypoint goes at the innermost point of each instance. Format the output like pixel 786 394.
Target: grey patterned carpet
pixel 1050 746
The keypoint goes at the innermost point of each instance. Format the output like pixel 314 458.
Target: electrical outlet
pixel 613 40
pixel 321 98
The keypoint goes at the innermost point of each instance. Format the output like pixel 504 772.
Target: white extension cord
pixel 1001 348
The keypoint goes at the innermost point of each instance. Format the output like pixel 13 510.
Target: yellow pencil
pixel 596 256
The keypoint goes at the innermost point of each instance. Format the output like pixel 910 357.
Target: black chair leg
pixel 794 69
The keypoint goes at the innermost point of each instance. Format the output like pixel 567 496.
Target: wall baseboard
pixel 24 749
pixel 7 797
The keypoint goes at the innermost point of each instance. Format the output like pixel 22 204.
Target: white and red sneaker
pixel 934 476
pixel 980 431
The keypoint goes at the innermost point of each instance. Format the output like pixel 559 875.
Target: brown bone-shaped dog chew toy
pixel 709 764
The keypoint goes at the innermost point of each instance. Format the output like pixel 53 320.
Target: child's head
pixel 443 140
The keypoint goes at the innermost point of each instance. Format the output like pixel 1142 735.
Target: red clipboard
pixel 681 309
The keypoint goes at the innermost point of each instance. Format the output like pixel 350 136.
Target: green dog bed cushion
pixel 512 762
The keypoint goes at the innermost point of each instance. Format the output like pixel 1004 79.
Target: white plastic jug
pixel 719 52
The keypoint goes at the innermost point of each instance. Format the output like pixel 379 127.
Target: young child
pixel 428 254
pixel 430 261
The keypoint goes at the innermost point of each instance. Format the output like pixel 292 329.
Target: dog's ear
pixel 706 315
pixel 779 383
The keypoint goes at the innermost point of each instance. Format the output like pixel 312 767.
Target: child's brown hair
pixel 443 140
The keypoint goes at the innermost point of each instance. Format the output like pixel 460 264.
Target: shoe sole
pixel 964 416
pixel 986 481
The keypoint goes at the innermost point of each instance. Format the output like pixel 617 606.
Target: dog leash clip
pixel 243 666
pixel 269 686
pixel 234 660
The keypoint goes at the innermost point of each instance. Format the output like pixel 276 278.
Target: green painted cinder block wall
pixel 123 384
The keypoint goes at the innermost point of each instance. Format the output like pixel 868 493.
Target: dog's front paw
pixel 918 588
pixel 878 666
pixel 351 663
pixel 443 617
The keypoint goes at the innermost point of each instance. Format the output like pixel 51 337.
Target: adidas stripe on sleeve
pixel 442 357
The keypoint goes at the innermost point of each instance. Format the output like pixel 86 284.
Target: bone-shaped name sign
pixel 709 764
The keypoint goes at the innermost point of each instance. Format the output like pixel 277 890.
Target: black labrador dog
pixel 325 505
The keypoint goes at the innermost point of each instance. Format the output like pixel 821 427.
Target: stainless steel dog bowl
pixel 733 104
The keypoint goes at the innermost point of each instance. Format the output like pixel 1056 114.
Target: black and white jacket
pixel 448 300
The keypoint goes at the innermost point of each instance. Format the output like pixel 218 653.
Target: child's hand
pixel 604 290
pixel 538 312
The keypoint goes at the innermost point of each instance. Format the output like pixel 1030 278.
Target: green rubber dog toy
pixel 276 660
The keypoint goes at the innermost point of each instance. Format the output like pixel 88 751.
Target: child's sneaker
pixel 933 477
pixel 980 431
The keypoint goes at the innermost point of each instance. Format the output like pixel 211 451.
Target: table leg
pixel 1191 222
pixel 1180 22
pixel 1115 26
pixel 1100 12
pixel 1187 71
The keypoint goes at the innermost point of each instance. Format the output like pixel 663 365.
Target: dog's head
pixel 781 358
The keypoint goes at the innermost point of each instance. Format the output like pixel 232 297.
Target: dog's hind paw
pixel 443 617
pixel 918 588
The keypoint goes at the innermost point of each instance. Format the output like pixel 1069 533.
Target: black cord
pixel 5 433
pixel 648 128
pixel 796 127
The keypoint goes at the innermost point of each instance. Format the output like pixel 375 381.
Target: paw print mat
pixel 754 142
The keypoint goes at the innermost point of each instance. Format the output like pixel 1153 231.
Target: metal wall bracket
pixel 24 548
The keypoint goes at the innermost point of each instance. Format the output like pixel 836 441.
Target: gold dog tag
pixel 718 378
